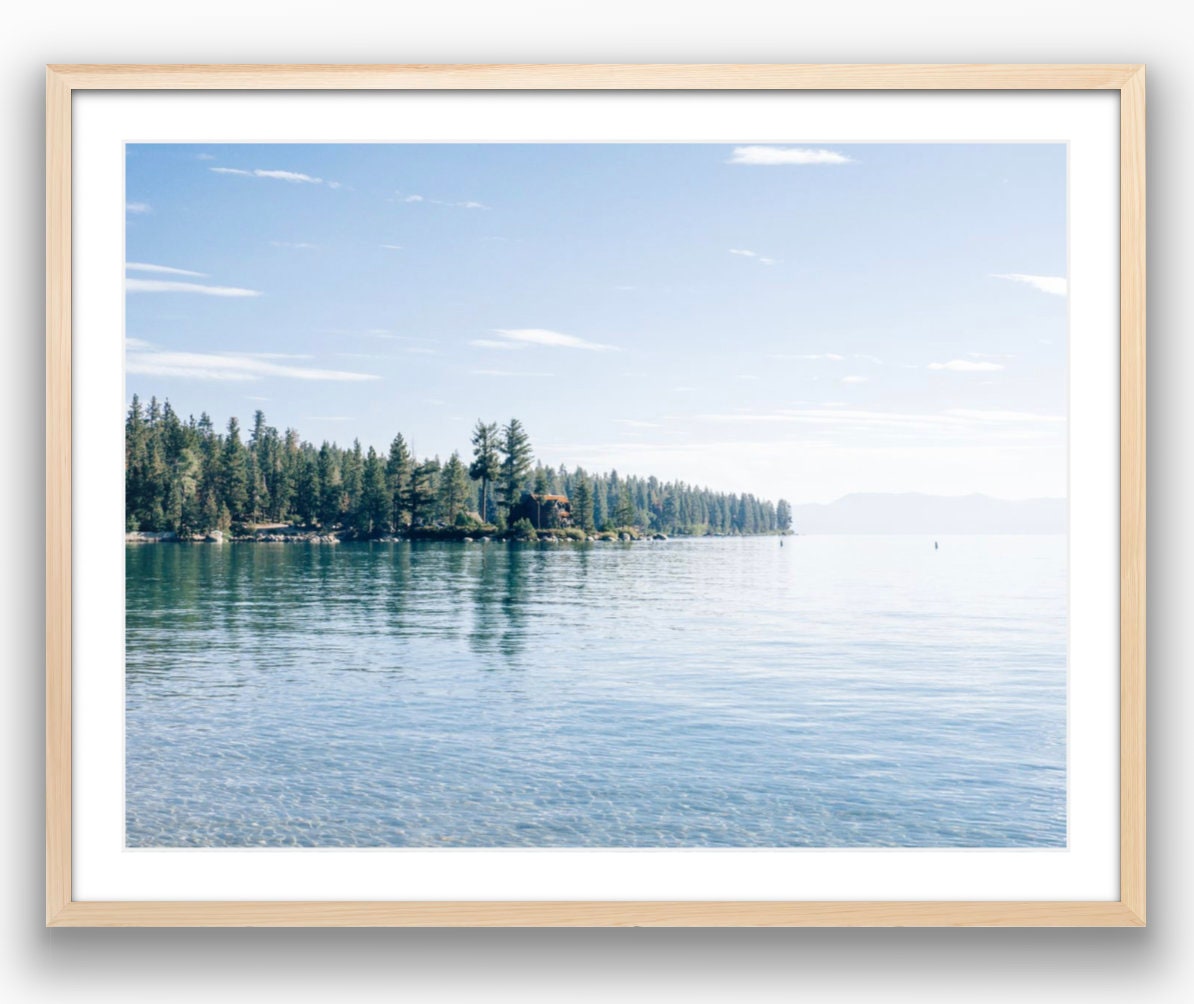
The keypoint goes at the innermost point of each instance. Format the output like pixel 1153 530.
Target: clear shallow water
pixel 833 692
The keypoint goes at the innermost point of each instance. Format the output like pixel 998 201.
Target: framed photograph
pixel 595 495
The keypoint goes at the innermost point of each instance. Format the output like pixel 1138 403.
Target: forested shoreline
pixel 185 479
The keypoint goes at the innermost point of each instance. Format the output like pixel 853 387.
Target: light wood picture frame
pixel 64 910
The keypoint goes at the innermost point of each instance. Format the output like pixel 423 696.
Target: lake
pixel 726 692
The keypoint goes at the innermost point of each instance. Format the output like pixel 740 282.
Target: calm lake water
pixel 832 692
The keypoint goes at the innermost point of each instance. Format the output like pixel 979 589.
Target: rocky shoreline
pixel 317 537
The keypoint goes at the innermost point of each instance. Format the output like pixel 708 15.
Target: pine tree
pixel 329 486
pixel 454 488
pixel 783 515
pixel 235 474
pixel 306 490
pixel 422 497
pixel 625 514
pixel 486 465
pixel 398 473
pixel 582 504
pixel 372 517
pixel 516 462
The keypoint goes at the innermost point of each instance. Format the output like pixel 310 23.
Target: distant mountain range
pixel 930 514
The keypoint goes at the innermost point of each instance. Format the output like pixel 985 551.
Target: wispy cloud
pixel 294 177
pixel 967 366
pixel 168 286
pixel 830 356
pixel 962 425
pixel 854 378
pixel 761 259
pixel 768 156
pixel 508 373
pixel 1002 416
pixel 391 247
pixel 522 337
pixel 229 366
pixel 1055 284
pixel 141 266
pixel 493 343
pixel 465 204
pixel 209 156
pixel 634 423
pixel 297 245
pixel 274 355
pixel 138 208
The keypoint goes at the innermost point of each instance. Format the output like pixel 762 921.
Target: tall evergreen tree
pixel 454 488
pixel 398 472
pixel 306 490
pixel 516 462
pixel 235 474
pixel 373 512
pixel 582 504
pixel 625 515
pixel 330 490
pixel 487 464
pixel 423 495
pixel 783 515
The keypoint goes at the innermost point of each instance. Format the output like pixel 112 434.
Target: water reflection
pixel 836 692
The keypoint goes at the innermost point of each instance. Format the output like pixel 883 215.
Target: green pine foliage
pixel 187 477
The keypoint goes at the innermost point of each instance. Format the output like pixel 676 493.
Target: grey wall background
pixel 594 965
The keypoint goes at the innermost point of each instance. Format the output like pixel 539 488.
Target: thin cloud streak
pixel 228 367
pixel 1057 285
pixel 493 343
pixel 140 266
pixel 508 373
pixel 465 204
pixel 551 339
pixel 293 177
pixel 959 423
pixel 761 259
pixel 166 286
pixel 830 356
pixel 769 156
pixel 967 366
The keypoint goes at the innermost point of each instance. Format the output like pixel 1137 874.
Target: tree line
pixel 187 477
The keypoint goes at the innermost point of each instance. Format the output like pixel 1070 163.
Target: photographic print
pixel 596 495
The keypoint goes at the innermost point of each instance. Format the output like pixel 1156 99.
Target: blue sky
pixel 799 321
